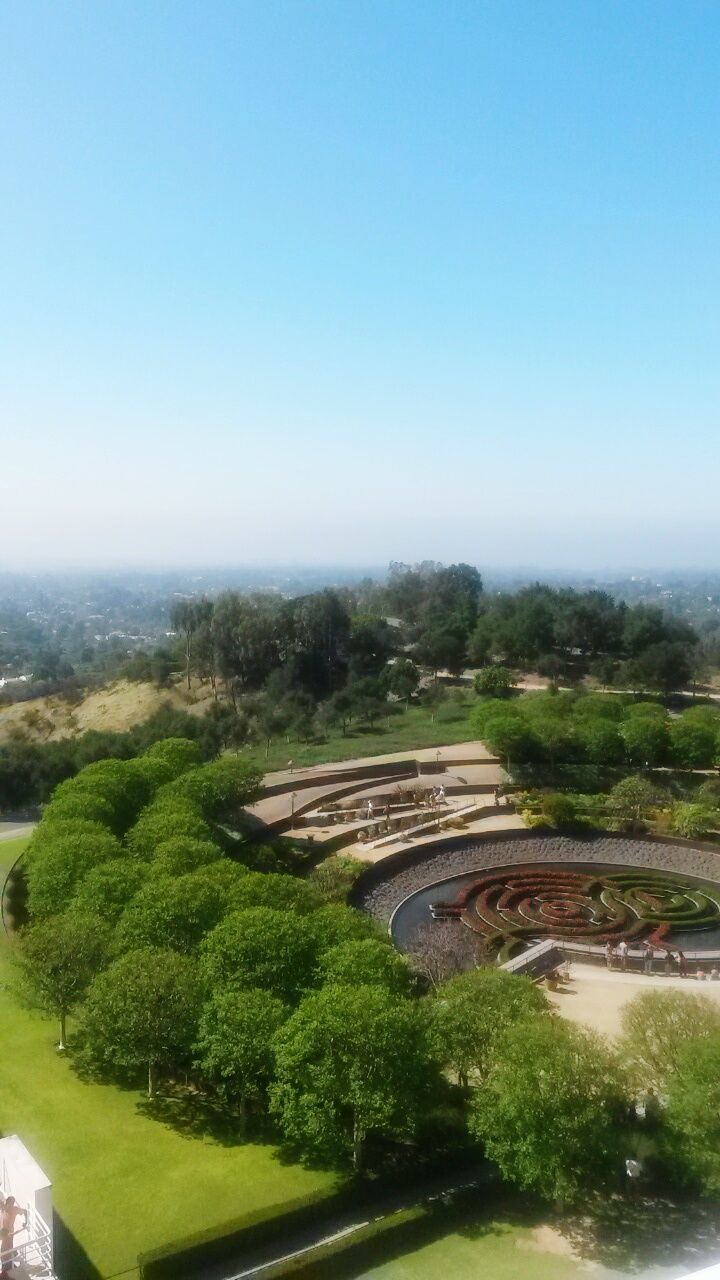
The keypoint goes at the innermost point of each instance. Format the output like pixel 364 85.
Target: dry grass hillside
pixel 114 708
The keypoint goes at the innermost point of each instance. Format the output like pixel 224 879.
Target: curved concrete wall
pixel 384 885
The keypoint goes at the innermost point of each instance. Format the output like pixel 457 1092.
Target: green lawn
pixel 500 1251
pixel 404 731
pixel 123 1182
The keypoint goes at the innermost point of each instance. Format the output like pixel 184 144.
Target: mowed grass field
pixel 123 1181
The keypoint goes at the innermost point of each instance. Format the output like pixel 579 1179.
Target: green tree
pixel 655 1027
pixel 142 1013
pixel 187 617
pixel 119 784
pixel 279 891
pixel 433 696
pixel 338 710
pixel 442 645
pixel 402 679
pixel 106 890
pixel 559 810
pixel 174 914
pixel 549 1110
pixel 333 878
pixel 497 682
pixel 335 923
pixel 218 789
pixel 366 963
pixel 234 1048
pixel 59 958
pixel 181 855
pixel 260 947
pixel 470 1013
pixel 169 817
pixel 692 1116
pixel 694 820
pixel 646 740
pixel 693 743
pixel 56 867
pixel 601 741
pixel 631 802
pixel 367 699
pixel 350 1062
pixel 506 731
pixel 175 755
pixel 666 666
pixel 372 643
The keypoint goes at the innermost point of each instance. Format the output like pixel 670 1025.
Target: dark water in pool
pixel 415 911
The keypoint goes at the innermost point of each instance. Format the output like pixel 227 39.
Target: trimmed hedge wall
pixel 251 1232
pixel 247 1231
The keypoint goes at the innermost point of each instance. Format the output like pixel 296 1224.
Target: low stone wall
pixel 385 885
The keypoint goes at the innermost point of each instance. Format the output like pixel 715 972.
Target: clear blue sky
pixel 347 281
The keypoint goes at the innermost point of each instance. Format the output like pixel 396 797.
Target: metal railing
pixel 36 1250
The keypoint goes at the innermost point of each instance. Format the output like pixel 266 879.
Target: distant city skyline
pixel 354 282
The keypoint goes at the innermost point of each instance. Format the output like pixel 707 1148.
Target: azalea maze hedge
pixel 509 907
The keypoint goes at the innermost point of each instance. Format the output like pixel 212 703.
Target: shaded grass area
pixel 409 730
pixel 612 1237
pixel 469 1237
pixel 123 1180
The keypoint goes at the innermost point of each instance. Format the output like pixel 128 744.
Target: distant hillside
pixel 115 708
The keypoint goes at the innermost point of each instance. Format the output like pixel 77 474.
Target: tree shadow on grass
pixel 193 1116
pixel 632 1235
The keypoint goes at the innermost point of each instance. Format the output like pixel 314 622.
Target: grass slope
pixel 123 1181
pixel 409 730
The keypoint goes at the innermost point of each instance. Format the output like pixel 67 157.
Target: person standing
pixel 623 954
pixel 648 958
pixel 633 1171
pixel 682 964
pixel 10 1212
pixel 609 954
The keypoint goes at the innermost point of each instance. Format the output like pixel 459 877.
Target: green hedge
pixel 247 1231
pixel 364 1246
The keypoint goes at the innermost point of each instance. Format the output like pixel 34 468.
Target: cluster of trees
pixel 282 1001
pixel 563 632
pixel 551 736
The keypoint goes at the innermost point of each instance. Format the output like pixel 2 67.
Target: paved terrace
pixel 296 799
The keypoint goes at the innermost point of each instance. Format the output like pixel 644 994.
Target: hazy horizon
pixel 354 282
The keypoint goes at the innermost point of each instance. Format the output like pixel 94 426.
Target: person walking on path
pixel 648 958
pixel 10 1212
pixel 623 954
pixel 682 964
pixel 609 954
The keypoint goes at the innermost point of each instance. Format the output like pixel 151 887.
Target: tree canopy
pixel 350 1062
pixel 142 1013
pixel 550 1108
pixel 655 1027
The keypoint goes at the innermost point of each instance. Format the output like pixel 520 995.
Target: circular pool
pixel 505 894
